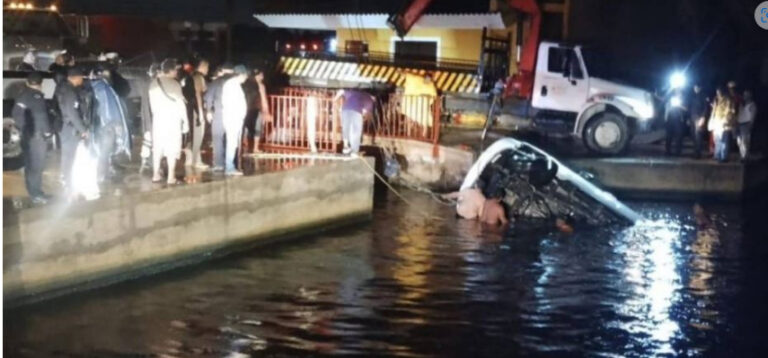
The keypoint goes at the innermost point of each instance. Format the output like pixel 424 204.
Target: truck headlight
pixel 645 110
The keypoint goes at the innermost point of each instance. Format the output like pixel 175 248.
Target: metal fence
pixel 408 117
pixel 310 120
pixel 302 122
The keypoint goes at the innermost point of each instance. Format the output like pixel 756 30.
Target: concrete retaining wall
pixel 661 178
pixel 419 165
pixel 60 247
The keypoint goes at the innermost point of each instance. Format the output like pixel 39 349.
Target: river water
pixel 408 284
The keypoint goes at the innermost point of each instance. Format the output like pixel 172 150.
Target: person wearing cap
pixel 234 109
pixel 169 120
pixel 31 116
pixel 60 66
pixel 110 124
pixel 28 61
pixel 215 114
pixel 73 113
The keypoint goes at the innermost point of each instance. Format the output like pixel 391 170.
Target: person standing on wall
pixel 215 114
pixel 234 109
pixel 698 120
pixel 110 124
pixel 73 113
pixel 675 123
pixel 262 106
pixel 31 116
pixel 199 118
pixel 721 124
pixel 357 105
pixel 146 119
pixel 746 119
pixel 169 120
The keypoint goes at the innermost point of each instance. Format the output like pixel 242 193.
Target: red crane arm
pixel 521 84
pixel 528 56
pixel 403 20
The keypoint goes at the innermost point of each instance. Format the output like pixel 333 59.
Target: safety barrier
pixel 302 122
pixel 408 117
pixel 310 120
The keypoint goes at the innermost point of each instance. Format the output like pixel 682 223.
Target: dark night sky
pixel 645 37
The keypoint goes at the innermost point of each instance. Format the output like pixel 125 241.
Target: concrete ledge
pixel 418 164
pixel 61 248
pixel 669 178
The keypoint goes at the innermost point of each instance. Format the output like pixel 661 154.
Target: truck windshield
pixel 598 63
pixel 34 23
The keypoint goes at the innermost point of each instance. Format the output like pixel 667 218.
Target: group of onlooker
pixel 182 102
pixel 713 124
pixel 90 117
pixel 177 104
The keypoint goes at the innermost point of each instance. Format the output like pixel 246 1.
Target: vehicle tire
pixel 13 155
pixel 607 133
pixel 13 163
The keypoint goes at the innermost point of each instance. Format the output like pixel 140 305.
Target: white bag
pixel 84 176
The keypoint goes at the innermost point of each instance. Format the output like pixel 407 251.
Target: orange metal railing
pixel 408 117
pixel 307 119
pixel 302 122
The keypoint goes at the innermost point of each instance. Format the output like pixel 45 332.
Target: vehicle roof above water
pixel 549 43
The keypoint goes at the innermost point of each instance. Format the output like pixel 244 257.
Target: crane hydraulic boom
pixel 403 20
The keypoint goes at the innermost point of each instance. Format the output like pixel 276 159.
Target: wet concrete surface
pixel 129 179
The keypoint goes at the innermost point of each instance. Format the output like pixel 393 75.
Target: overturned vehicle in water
pixel 534 186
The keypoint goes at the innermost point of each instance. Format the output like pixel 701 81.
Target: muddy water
pixel 409 285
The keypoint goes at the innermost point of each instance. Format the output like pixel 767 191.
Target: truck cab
pixel 604 114
pixel 26 28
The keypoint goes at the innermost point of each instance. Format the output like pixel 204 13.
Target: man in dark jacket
pixel 72 109
pixel 698 120
pixel 214 106
pixel 31 116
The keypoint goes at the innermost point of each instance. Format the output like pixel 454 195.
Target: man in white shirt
pixel 234 109
pixel 169 120
pixel 746 118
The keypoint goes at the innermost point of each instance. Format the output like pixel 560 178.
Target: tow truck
pixel 555 91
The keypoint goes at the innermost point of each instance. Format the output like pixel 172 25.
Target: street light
pixel 677 80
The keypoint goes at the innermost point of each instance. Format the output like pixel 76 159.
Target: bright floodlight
pixel 677 80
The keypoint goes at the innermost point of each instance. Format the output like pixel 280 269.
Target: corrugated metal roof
pixel 241 10
pixel 378 21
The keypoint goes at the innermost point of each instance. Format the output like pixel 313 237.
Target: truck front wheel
pixel 607 133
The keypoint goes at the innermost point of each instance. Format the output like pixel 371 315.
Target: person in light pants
pixel 234 110
pixel 721 124
pixel 746 119
pixel 357 104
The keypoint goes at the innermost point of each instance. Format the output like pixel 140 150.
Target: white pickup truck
pixel 568 100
